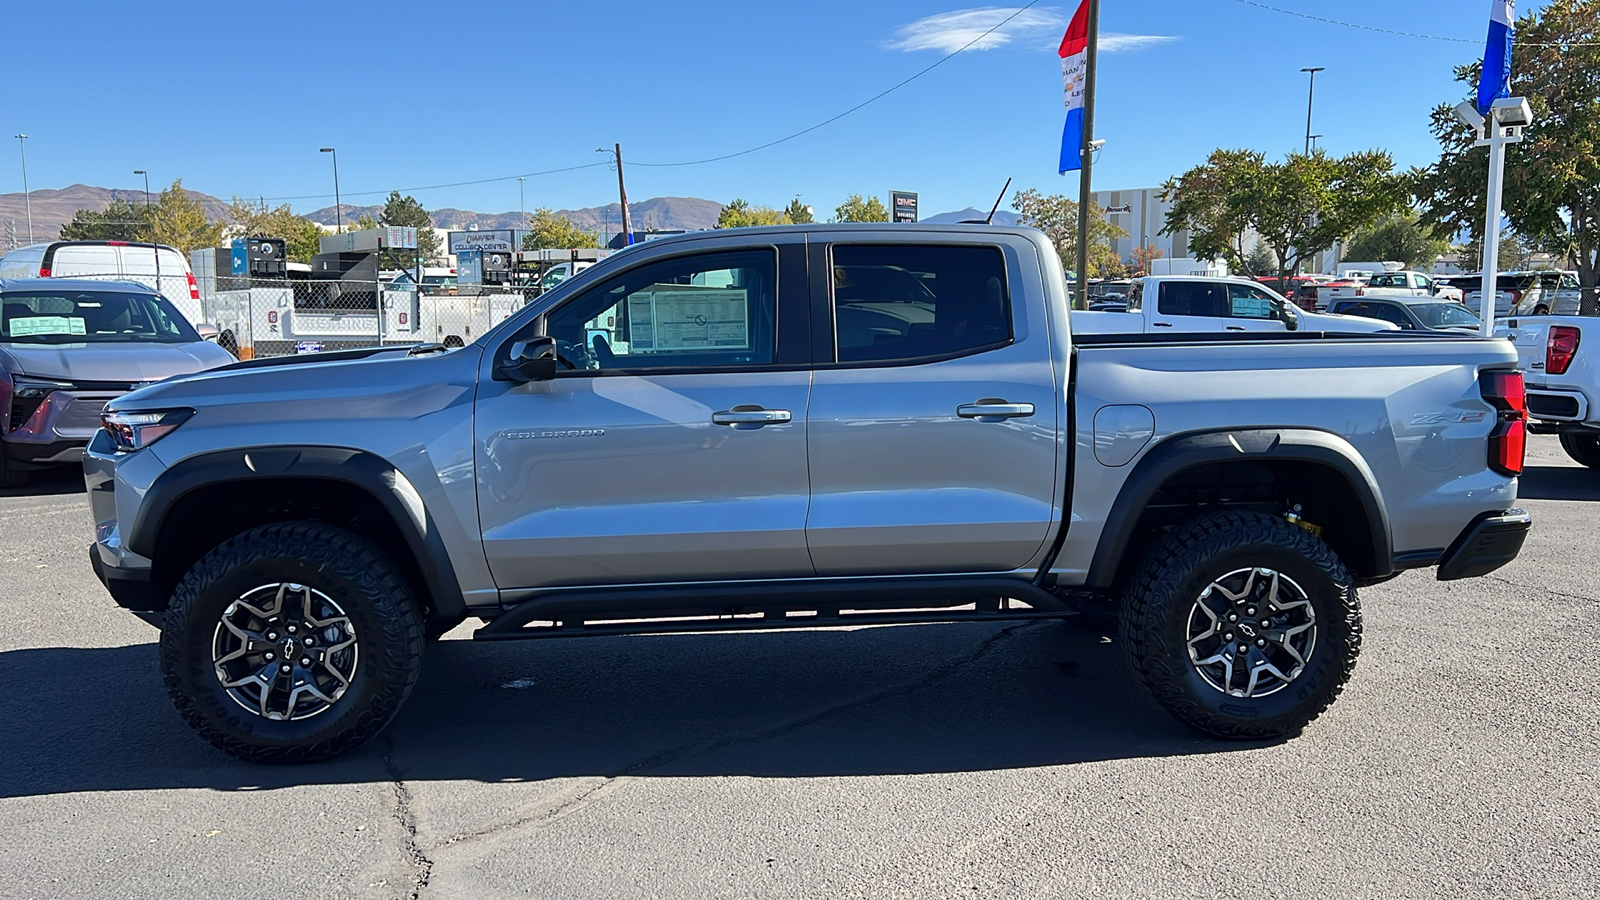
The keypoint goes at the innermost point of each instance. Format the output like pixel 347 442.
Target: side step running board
pixel 768 605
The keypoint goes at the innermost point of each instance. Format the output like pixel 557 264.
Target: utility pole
pixel 1310 92
pixel 338 209
pixel 27 199
pixel 522 203
pixel 622 189
pixel 1084 176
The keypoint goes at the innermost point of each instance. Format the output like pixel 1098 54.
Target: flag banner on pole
pixel 1074 55
pixel 1495 82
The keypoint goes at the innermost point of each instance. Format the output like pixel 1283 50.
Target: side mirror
pixel 531 360
pixel 208 332
pixel 1287 314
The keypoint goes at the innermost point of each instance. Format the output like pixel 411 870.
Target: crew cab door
pixel 674 449
pixel 933 422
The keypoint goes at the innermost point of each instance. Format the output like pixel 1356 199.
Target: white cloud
pixel 1042 26
pixel 949 32
pixel 1111 42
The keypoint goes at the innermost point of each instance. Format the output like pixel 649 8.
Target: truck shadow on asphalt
pixel 49 482
pixel 907 700
pixel 1558 483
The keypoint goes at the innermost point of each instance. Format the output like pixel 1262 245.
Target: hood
pixel 130 361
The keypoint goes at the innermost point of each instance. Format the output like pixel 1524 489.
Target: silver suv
pixel 67 347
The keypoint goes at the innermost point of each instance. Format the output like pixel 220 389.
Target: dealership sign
pixel 905 206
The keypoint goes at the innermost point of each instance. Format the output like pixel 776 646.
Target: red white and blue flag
pixel 1074 54
pixel 1495 82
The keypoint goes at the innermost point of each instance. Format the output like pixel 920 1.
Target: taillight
pixel 1560 348
pixel 1361 292
pixel 1509 439
pixel 194 288
pixel 1516 296
pixel 44 271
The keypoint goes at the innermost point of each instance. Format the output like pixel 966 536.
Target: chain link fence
pixel 259 317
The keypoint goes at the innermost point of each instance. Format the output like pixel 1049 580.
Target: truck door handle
pixel 1235 327
pixel 746 417
pixel 992 410
pixel 1162 324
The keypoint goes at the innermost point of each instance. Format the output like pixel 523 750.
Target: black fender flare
pixel 366 471
pixel 1186 451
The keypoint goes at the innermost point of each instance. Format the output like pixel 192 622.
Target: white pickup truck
pixel 1562 372
pixel 1388 285
pixel 1193 303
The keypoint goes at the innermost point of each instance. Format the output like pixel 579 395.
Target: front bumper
pixel 28 454
pixel 130 588
pixel 1491 541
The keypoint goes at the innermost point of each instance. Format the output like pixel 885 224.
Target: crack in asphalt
pixel 1536 587
pixel 421 865
pixel 611 781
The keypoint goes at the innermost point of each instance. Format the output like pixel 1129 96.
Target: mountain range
pixel 54 207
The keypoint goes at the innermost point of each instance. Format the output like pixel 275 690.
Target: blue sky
pixel 236 98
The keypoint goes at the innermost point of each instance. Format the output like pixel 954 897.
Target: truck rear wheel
pixel 292 642
pixel 1242 625
pixel 1583 448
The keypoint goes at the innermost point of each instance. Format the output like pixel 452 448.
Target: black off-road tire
pixel 387 620
pixel 1583 448
pixel 1155 624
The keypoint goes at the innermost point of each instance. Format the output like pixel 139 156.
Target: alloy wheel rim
pixel 1251 632
pixel 284 651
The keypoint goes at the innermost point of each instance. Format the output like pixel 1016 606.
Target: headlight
pixel 37 388
pixel 132 430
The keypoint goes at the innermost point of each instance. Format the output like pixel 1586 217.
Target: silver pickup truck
pixel 798 427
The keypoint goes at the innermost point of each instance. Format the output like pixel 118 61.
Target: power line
pixel 696 162
pixel 1410 34
pixel 430 187
pixel 873 99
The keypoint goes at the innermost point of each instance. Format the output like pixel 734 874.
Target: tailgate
pixel 1529 338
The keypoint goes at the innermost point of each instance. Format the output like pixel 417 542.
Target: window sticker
pixel 688 317
pixel 28 326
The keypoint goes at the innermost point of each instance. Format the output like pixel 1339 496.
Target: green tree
pixel 1260 260
pixel 363 222
pixel 798 213
pixel 1552 178
pixel 1057 217
pixel 1513 253
pixel 1397 237
pixel 1144 256
pixel 252 218
pixel 121 221
pixel 740 214
pixel 549 231
pixel 407 212
pixel 179 220
pixel 1299 207
pixel 855 209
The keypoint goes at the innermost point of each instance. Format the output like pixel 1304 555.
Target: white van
pixel 156 266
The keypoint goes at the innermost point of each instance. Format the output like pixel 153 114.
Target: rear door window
pixel 1192 298
pixel 909 303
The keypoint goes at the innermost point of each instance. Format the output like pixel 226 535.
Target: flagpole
pixel 1087 158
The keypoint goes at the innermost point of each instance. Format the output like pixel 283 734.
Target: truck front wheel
pixel 1242 625
pixel 1583 448
pixel 292 642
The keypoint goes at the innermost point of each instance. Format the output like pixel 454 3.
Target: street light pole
pixel 27 199
pixel 1310 92
pixel 522 204
pixel 1314 141
pixel 150 223
pixel 338 208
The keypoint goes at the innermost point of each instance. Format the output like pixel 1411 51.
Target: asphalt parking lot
pixel 925 761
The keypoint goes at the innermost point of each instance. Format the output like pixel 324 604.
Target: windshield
pixel 90 317
pixel 1444 315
